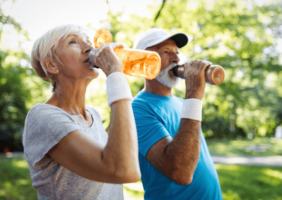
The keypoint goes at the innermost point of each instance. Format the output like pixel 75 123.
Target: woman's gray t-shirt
pixel 45 126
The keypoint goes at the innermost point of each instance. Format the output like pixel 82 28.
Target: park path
pixel 232 160
pixel 275 161
pixel 245 160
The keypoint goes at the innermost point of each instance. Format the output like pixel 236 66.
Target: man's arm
pixel 177 157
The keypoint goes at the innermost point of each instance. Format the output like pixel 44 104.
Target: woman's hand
pixel 107 60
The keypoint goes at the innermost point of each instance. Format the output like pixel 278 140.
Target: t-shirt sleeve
pixel 45 126
pixel 150 129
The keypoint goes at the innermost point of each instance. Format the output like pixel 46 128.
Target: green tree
pixel 241 37
pixel 20 88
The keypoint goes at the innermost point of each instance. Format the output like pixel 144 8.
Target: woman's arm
pixel 117 161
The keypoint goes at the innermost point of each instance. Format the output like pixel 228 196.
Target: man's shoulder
pixel 145 104
pixel 140 98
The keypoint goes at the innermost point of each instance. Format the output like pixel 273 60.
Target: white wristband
pixel 117 87
pixel 192 109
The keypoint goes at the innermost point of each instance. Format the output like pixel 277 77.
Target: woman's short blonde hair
pixel 45 46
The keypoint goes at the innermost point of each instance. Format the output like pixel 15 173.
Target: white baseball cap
pixel 156 36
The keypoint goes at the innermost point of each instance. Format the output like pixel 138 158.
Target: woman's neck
pixel 70 97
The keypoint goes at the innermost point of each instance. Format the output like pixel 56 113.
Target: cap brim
pixel 180 39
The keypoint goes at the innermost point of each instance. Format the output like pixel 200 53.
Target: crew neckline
pixel 156 95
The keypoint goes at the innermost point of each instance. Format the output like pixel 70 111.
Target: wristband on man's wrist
pixel 192 109
pixel 117 87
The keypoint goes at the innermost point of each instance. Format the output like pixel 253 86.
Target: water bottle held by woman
pixel 138 63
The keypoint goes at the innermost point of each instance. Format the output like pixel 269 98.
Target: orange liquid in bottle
pixel 138 63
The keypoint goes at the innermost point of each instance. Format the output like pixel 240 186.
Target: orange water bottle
pixel 138 63
pixel 214 74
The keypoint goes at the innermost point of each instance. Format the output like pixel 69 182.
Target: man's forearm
pixel 183 152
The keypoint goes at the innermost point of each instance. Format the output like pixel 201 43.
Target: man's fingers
pixel 208 62
pixel 201 65
pixel 188 64
pixel 204 65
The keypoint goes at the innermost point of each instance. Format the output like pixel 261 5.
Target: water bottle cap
pixel 102 36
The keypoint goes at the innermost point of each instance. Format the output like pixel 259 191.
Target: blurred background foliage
pixel 20 88
pixel 238 35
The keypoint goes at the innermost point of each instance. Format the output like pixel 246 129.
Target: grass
pixel 243 183
pixel 15 182
pixel 237 182
pixel 263 146
pixel 249 182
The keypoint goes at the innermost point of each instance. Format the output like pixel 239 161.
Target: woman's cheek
pixel 71 58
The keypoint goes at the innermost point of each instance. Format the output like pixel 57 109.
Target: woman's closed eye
pixel 72 42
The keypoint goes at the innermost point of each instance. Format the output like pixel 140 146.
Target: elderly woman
pixel 69 153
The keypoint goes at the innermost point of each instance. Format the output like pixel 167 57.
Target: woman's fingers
pixel 107 60
pixel 109 45
pixel 117 45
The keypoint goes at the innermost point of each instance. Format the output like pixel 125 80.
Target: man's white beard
pixel 166 79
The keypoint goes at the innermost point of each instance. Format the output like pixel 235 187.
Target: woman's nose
pixel 87 48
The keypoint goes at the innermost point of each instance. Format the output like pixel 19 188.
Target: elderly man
pixel 174 159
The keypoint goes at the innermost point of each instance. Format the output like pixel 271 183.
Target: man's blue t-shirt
pixel 158 117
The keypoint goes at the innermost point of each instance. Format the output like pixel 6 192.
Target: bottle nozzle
pixel 91 57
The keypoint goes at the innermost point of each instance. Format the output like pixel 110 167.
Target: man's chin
pixel 168 82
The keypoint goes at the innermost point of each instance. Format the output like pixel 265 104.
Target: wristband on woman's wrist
pixel 192 109
pixel 117 87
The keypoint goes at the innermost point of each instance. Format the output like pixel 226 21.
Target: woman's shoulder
pixel 41 109
pixel 44 106
pixel 41 112
pixel 44 118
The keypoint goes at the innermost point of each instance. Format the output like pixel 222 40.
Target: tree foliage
pixel 241 37
pixel 20 88
pixel 238 35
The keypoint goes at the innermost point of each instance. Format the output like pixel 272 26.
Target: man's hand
pixel 194 73
pixel 178 157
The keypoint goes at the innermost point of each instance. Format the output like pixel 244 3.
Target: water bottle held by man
pixel 214 74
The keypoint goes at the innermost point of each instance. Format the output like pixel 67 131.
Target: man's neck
pixel 154 87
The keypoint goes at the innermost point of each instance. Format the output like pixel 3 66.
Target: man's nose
pixel 175 58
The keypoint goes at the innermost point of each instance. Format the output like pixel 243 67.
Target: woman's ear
pixel 50 66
